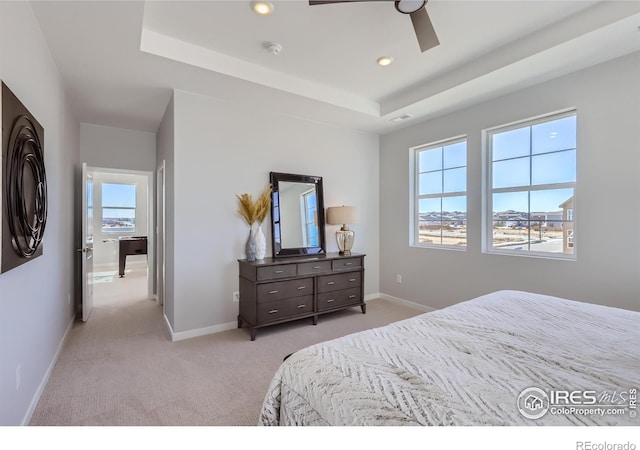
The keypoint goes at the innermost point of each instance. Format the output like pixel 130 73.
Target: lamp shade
pixel 342 215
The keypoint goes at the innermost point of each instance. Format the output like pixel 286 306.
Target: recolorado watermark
pixel 588 445
pixel 534 403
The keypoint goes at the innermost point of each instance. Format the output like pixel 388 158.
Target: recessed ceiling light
pixel 262 8
pixel 384 61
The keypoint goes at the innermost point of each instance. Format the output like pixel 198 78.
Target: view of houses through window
pixel 530 178
pixel 532 169
pixel 118 207
pixel 441 194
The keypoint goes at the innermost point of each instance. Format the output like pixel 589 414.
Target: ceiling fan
pixel 416 10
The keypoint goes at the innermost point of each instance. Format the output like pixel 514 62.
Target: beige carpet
pixel 120 368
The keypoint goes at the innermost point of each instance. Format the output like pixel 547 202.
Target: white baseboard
pixel 168 325
pixel 36 397
pixel 406 302
pixel 182 335
pixel 370 297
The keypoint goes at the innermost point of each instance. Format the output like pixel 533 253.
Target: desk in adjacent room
pixel 134 245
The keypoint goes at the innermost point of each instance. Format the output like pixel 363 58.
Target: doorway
pixel 122 221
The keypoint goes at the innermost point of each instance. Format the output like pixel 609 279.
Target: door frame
pixel 161 227
pixel 151 220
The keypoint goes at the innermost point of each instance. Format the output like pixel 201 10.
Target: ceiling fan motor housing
pixel 409 6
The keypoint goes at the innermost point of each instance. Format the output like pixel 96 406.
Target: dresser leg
pixel 363 307
pixel 239 322
pixel 253 333
pixel 315 320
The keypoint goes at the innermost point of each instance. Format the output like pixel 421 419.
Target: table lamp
pixel 343 215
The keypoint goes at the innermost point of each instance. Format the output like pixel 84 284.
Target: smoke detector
pixel 272 47
pixel 401 118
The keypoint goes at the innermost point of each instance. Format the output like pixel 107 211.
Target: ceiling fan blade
pixel 424 30
pixel 328 2
pixel 311 2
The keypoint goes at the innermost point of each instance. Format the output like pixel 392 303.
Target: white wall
pixel 607 269
pixel 34 298
pixel 223 149
pixel 117 148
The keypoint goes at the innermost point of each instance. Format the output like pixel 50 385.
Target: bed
pixel 486 361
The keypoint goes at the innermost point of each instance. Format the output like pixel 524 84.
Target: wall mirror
pixel 297 215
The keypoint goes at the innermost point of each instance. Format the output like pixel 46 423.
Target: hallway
pixel 111 290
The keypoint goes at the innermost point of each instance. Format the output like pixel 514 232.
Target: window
pixel 531 187
pixel 118 207
pixel 310 218
pixel 440 186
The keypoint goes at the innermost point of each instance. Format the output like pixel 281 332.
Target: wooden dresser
pixel 274 291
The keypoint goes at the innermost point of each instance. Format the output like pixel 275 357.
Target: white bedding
pixel 465 365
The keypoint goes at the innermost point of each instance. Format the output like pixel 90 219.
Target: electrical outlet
pixel 18 377
pixel 236 297
pixel 398 278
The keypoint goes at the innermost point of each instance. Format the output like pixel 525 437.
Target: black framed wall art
pixel 23 186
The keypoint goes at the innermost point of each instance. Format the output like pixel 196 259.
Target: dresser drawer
pixel 330 283
pixel 330 300
pixel 271 311
pixel 347 263
pixel 275 272
pixel 314 267
pixel 269 292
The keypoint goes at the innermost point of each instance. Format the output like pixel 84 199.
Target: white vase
pixel 261 243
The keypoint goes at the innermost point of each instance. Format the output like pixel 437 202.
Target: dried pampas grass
pixel 263 204
pixel 247 208
pixel 254 211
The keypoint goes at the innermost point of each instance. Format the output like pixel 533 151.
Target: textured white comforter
pixel 464 365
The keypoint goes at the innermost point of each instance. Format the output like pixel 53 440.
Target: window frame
pixel 414 209
pixel 134 208
pixel 488 191
pixel 304 209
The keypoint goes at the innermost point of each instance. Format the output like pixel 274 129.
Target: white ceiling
pixel 121 59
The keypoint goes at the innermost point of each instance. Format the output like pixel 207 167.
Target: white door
pixel 87 243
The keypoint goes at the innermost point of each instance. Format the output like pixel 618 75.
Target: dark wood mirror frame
pixel 276 231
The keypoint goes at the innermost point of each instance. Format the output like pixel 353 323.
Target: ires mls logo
pixel 533 403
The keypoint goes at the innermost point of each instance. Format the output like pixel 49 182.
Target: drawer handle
pixel 331 283
pixel 301 306
pixel 273 292
pixel 352 296
pixel 316 267
pixel 351 280
pixel 273 311
pixel 301 288
pixel 331 300
pixel 278 271
pixel 348 264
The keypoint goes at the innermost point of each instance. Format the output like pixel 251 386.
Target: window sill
pixel 455 248
pixel 528 254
